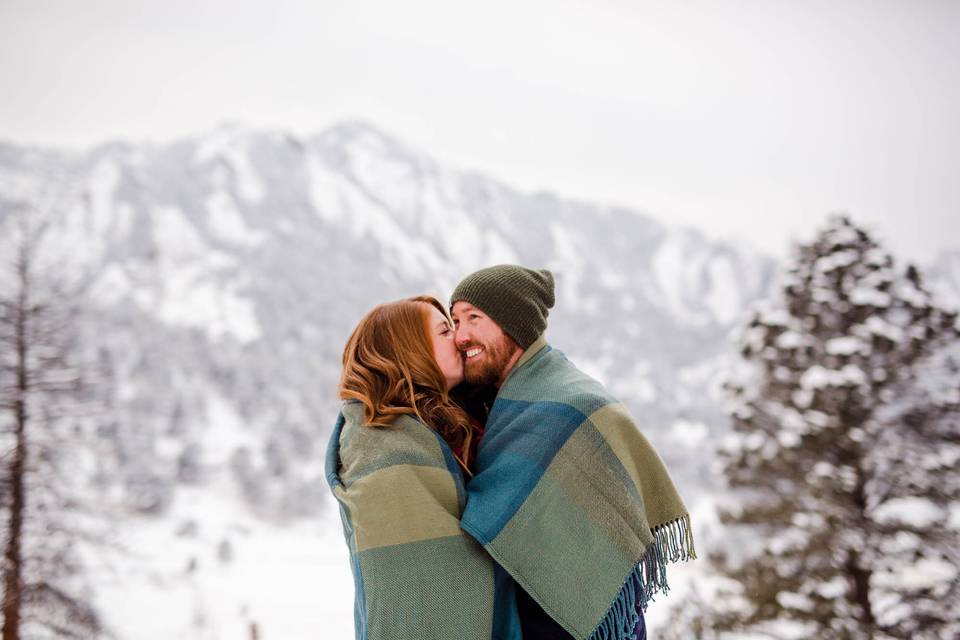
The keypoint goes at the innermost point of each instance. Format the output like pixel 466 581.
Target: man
pixel 567 496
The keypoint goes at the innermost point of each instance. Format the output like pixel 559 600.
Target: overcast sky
pixel 744 118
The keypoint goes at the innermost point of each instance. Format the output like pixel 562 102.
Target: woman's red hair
pixel 389 366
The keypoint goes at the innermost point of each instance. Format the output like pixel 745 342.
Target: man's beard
pixel 494 360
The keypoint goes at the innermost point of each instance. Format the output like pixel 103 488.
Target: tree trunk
pixel 858 574
pixel 12 557
pixel 12 578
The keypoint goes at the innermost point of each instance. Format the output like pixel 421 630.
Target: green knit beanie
pixel 514 297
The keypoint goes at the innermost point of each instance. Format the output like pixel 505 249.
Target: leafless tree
pixel 39 387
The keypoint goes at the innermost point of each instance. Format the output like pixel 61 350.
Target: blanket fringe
pixel 673 541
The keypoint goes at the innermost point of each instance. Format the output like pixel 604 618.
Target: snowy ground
pixel 176 580
pixel 293 582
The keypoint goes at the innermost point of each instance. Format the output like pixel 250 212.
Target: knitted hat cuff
pixel 516 298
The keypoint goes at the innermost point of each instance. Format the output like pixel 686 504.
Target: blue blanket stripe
pixel 331 468
pixel 506 619
pixel 521 455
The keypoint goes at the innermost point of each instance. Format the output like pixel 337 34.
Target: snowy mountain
pixel 222 276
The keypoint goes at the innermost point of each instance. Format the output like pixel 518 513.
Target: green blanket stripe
pixel 365 451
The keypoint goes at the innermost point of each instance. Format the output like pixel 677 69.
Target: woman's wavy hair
pixel 389 366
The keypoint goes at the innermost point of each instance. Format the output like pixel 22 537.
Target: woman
pixel 396 463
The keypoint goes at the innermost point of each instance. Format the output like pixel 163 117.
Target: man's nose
pixel 461 337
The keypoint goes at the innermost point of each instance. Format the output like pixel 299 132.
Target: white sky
pixel 751 118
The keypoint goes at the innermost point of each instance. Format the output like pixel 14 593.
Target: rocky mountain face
pixel 221 276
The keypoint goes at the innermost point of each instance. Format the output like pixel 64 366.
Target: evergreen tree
pixel 839 506
pixel 913 495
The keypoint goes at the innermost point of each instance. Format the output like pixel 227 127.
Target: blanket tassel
pixel 673 541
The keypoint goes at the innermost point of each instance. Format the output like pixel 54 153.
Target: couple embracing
pixel 489 489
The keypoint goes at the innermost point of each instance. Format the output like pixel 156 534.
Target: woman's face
pixel 444 348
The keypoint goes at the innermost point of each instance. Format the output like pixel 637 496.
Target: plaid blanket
pixel 572 500
pixel 417 575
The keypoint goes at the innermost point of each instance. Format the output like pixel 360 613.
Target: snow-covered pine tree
pixel 815 545
pixel 913 499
